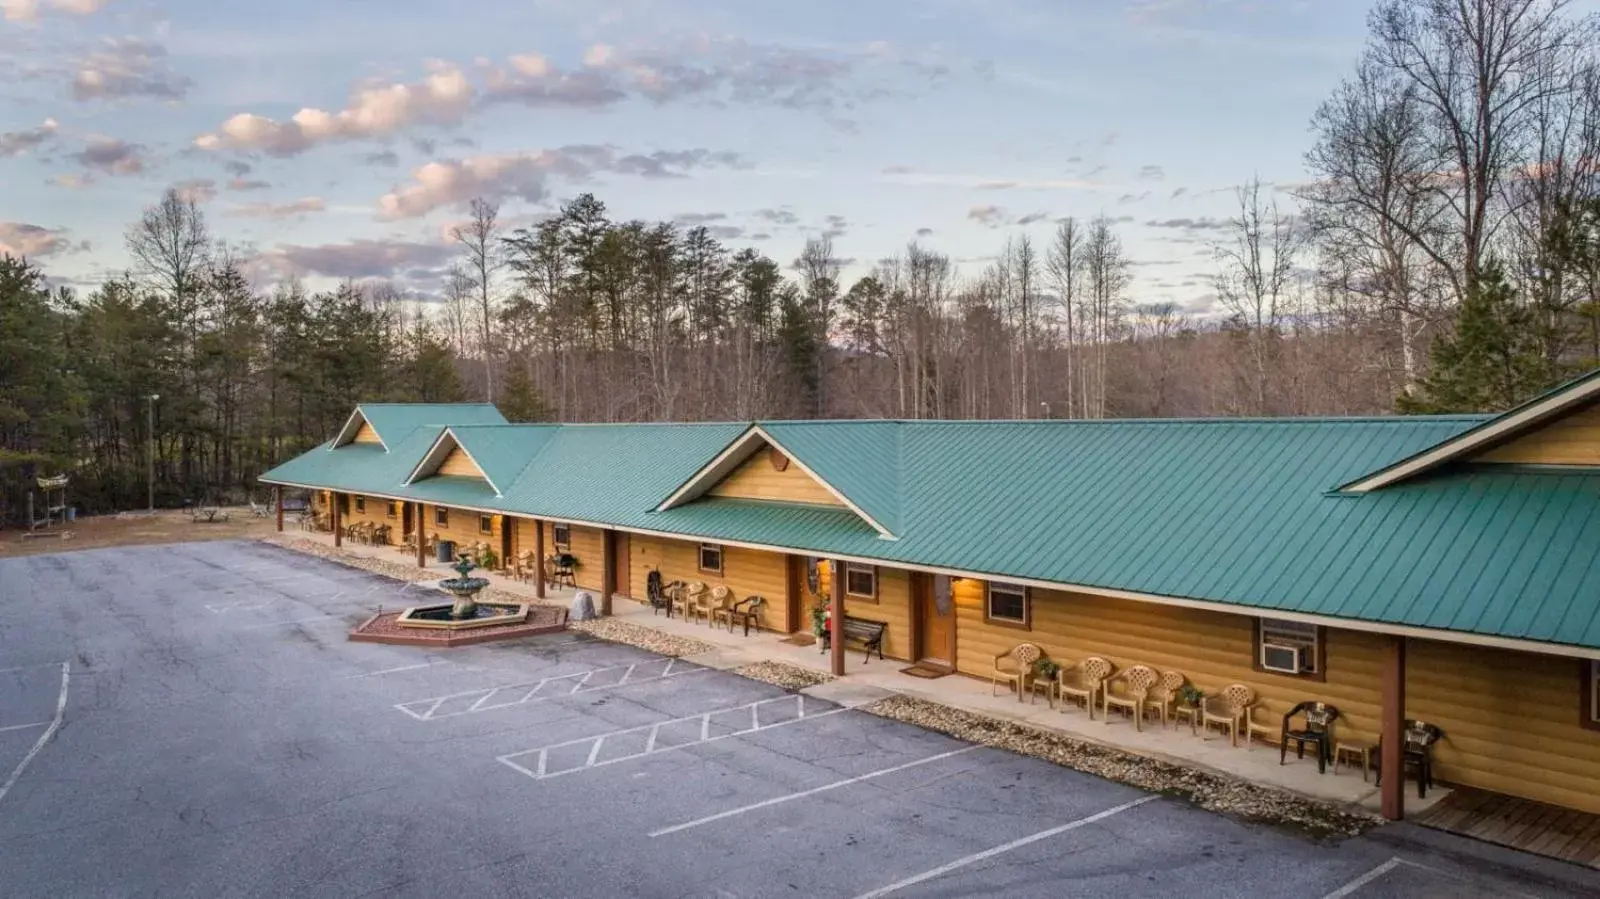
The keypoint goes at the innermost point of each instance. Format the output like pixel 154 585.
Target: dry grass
pixel 135 529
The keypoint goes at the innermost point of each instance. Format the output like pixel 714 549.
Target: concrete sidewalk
pixel 866 681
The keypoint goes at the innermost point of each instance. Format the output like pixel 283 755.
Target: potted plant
pixel 819 614
pixel 1045 668
pixel 1189 695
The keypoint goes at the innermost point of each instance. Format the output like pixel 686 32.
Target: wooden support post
pixel 1392 727
pixel 608 574
pixel 277 500
pixel 422 541
pixel 538 553
pixel 836 626
pixel 338 521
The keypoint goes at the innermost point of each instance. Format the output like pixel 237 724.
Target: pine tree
pixel 1491 362
pixel 521 401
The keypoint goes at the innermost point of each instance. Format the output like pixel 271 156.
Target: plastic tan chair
pixel 1164 695
pixel 1260 723
pixel 1083 681
pixel 1015 668
pixel 1227 709
pixel 690 603
pixel 1136 683
pixel 718 605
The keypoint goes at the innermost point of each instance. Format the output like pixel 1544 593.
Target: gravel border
pixel 1211 791
pixel 783 674
pixel 646 638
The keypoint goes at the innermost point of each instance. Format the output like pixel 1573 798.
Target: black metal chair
pixel 656 593
pixel 1417 756
pixel 1318 731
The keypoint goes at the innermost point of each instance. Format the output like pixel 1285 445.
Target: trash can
pixel 447 551
pixel 72 513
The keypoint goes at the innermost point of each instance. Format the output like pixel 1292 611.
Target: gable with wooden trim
pixel 1570 440
pixel 448 458
pixel 743 457
pixel 770 475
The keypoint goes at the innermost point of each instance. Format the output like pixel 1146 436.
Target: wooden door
pixel 936 621
pixel 794 588
pixel 619 564
pixel 407 525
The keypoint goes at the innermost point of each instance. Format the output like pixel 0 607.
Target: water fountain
pixel 465 611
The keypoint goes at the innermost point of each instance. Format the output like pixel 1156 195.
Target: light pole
pixel 1045 407
pixel 150 450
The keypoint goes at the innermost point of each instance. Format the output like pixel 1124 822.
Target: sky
pixel 332 140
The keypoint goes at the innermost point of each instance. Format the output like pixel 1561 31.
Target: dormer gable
pixel 448 458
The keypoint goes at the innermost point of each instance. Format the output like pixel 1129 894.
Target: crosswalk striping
pixel 677 733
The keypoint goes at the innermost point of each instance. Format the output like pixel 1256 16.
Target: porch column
pixel 422 541
pixel 538 552
pixel 338 522
pixel 608 576
pixel 277 500
pixel 1392 761
pixel 836 625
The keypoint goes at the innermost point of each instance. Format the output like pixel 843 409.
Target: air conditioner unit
pixel 1283 658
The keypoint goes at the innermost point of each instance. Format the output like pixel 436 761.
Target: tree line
pixel 1444 256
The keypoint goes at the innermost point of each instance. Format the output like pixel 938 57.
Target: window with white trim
pixel 561 535
pixel 486 524
pixel 711 558
pixel 1006 604
pixel 861 581
pixel 394 510
pixel 441 517
pixel 361 505
pixel 1288 647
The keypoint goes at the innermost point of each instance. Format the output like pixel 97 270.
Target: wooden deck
pixel 1523 824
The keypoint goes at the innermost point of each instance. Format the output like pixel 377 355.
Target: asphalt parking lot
pixel 189 720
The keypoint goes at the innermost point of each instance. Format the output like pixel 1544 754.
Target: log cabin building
pixel 1442 568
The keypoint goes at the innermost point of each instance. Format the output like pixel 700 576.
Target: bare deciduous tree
pixel 481 238
pixel 1256 276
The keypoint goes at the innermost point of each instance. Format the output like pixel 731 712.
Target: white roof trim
pixel 736 454
pixel 435 456
pixel 352 427
pixel 1492 431
pixel 1350 624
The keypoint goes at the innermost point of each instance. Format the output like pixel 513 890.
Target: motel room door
pixel 936 620
pixel 620 571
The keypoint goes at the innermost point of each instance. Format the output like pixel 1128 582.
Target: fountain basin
pixel 447 616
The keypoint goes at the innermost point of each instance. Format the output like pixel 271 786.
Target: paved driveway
pixel 190 721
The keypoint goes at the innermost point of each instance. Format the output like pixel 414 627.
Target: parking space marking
pixel 1354 886
pixel 1363 880
pixel 23 726
pixel 398 670
pixel 256 627
pixel 553 687
pixel 55 725
pixel 1003 848
pixel 779 800
pixel 638 742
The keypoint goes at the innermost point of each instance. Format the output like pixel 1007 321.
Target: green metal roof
pixel 1231 511
pixel 503 451
pixel 395 421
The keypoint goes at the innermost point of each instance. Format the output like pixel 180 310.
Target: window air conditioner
pixel 1282 658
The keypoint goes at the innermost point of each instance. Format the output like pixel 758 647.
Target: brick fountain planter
pixel 462 622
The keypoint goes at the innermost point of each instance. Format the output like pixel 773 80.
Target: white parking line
pixel 1366 878
pixel 524 692
pixel 1003 848
pixel 256 627
pixel 55 725
pixel 778 800
pixel 23 726
pixel 397 670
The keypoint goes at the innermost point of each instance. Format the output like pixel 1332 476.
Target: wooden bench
pixel 867 633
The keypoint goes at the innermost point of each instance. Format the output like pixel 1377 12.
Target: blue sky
pixel 954 122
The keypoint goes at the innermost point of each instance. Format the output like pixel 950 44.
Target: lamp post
pixel 150 450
